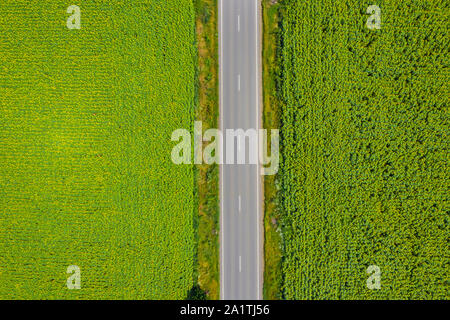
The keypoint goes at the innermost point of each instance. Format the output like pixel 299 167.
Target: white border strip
pixel 257 149
pixel 222 273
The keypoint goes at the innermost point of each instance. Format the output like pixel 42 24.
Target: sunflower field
pixel 364 175
pixel 86 177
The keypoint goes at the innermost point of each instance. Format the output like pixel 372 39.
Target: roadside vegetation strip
pixel 364 150
pixel 207 176
pixel 86 176
pixel 271 120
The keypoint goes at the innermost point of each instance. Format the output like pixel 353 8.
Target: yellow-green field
pixel 86 176
pixel 364 176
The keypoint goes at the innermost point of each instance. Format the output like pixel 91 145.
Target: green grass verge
pixel 207 177
pixel 271 119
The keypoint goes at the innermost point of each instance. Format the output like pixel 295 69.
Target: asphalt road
pixel 241 249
